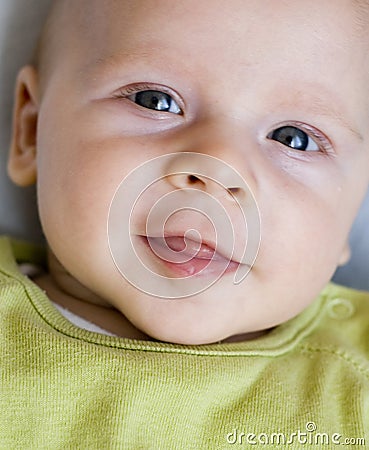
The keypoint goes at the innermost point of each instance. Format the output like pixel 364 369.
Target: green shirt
pixel 63 387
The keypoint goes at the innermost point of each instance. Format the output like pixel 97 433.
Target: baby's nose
pixel 205 173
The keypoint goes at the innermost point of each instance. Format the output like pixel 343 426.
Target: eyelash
pixel 321 140
pixel 132 89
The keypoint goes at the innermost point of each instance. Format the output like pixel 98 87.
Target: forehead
pixel 94 19
pixel 246 31
pixel 217 19
pixel 217 32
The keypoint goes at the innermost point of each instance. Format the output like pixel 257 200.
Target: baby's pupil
pixel 292 137
pixel 156 100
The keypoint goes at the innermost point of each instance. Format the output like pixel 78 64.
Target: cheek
pixel 69 188
pixel 76 183
pixel 74 193
pixel 301 231
pixel 77 180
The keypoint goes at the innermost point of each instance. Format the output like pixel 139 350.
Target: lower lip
pixel 197 266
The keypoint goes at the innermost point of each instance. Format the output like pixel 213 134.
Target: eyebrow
pixel 114 61
pixel 111 66
pixel 324 105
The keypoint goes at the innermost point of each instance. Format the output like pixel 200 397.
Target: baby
pixel 155 129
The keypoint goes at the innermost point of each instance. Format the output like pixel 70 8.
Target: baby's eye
pixel 294 138
pixel 156 100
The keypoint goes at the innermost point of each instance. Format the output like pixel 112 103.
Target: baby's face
pixel 276 90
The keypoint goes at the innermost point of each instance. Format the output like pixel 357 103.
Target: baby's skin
pixel 278 91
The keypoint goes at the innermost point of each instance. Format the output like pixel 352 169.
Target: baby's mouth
pixel 186 257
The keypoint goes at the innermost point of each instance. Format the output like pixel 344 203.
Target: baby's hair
pixel 42 54
pixel 46 32
pixel 62 16
pixel 362 15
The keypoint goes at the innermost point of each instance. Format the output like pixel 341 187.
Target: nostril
pixel 234 190
pixel 236 194
pixel 193 179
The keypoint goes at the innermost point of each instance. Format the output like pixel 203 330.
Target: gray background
pixel 20 22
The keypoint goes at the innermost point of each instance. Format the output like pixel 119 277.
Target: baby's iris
pixel 156 100
pixel 294 137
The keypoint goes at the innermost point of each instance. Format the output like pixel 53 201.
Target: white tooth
pixel 191 270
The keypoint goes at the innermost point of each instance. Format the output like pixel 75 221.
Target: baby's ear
pixel 22 155
pixel 345 255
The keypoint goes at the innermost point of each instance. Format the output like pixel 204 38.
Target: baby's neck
pixel 104 316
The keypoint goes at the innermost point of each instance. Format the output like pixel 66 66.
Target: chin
pixel 188 340
pixel 185 336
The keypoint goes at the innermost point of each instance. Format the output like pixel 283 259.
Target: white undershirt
pixel 80 321
pixel 32 270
